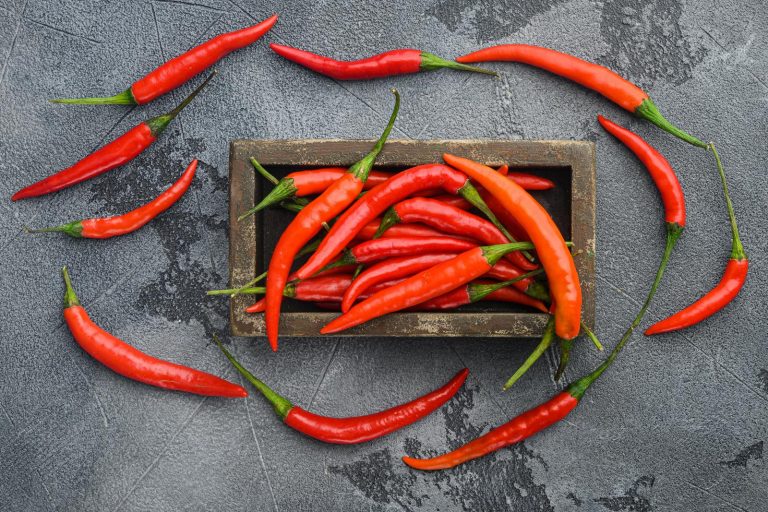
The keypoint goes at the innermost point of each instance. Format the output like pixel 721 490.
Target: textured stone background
pixel 679 424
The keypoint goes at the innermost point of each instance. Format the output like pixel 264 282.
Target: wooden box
pixel 570 164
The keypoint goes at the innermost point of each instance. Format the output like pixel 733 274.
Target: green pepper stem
pixel 160 123
pixel 470 193
pixel 362 168
pixel 546 341
pixel 122 98
pixel 261 170
pixel 284 189
pixel 70 297
pixel 480 291
pixel 281 405
pixel 565 356
pixel 73 229
pixel 737 249
pixel 389 219
pixel 579 387
pixel 430 61
pixel 493 253
pixel 648 110
pixel 592 336
pixel 246 288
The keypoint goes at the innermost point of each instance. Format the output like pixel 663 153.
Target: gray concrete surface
pixel 678 424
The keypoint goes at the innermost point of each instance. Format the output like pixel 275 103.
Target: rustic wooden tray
pixel 571 164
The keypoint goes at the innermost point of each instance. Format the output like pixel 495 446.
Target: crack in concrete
pixel 62 31
pixel 710 493
pixel 13 42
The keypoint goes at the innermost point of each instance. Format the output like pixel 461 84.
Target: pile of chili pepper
pixel 433 237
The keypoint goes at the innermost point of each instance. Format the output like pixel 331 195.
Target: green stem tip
pixel 73 229
pixel 160 123
pixel 737 249
pixel 70 297
pixel 493 253
pixel 648 110
pixel 122 98
pixel 362 168
pixel 430 61
pixel 546 341
pixel 280 404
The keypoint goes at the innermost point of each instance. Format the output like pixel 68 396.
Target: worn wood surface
pixel 571 164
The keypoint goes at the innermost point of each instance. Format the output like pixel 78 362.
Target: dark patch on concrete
pixel 752 452
pixel 631 501
pixel 763 376
pixel 500 481
pixel 646 41
pixel 575 499
pixel 375 477
pixel 178 293
pixel 491 19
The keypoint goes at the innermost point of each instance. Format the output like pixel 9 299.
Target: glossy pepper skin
pixel 550 246
pixel 357 429
pixel 452 220
pixel 179 70
pixel 598 78
pixel 384 248
pixel 129 362
pixel 308 223
pixel 672 197
pixel 395 62
pixel 404 231
pixel 426 285
pixel 401 186
pixel 118 152
pixel 730 284
pixel 107 227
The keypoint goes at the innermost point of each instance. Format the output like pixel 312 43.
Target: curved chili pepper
pixel 130 362
pixel 405 231
pixel 522 426
pixel 483 290
pixel 394 62
pixel 431 283
pixel 387 270
pixel 598 78
pixel 730 284
pixel 450 219
pixel 308 223
pixel 399 187
pixel 306 183
pixel 546 237
pixel 531 181
pixel 357 429
pixel 118 152
pixel 107 227
pixel 383 248
pixel 177 71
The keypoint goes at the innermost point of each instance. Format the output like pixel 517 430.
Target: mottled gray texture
pixel 679 424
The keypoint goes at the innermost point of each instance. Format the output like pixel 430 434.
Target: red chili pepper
pixel 426 285
pixel 405 231
pixel 107 227
pixel 481 290
pixel 390 269
pixel 730 284
pixel 401 186
pixel 308 223
pixel 118 152
pixel 522 426
pixel 179 70
pixel 129 362
pixel 451 220
pixel 357 429
pixel 306 183
pixel 531 181
pixel 395 62
pixel 598 78
pixel 546 237
pixel 383 248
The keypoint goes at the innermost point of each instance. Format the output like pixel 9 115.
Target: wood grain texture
pixel 571 163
